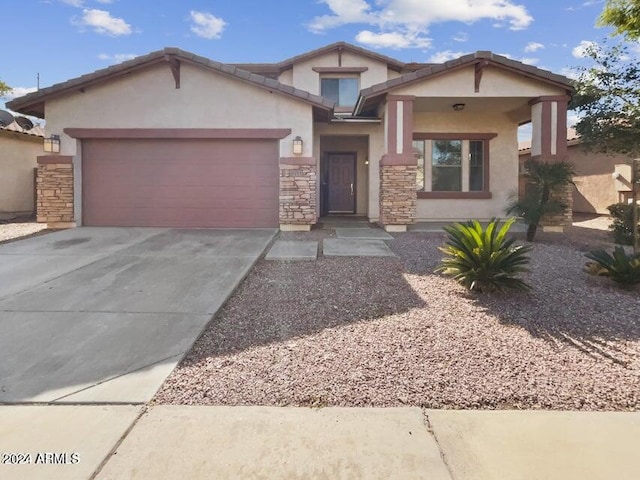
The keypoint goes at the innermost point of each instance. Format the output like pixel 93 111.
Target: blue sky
pixel 62 39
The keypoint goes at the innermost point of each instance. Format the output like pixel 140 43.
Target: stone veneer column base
pixel 54 191
pixel 395 228
pixel 298 194
pixel 398 196
pixel 292 227
pixel 556 223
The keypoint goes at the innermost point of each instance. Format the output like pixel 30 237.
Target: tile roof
pixel 572 139
pixel 36 131
pixel 466 60
pixel 32 103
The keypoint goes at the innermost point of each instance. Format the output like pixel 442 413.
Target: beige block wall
pixel 149 99
pixel 370 173
pixel 503 164
pixel 305 78
pixel 595 188
pixel 18 154
pixel 495 83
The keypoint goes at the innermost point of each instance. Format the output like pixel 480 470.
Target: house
pixel 594 188
pixel 19 149
pixel 176 139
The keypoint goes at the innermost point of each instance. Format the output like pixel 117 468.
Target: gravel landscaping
pixel 389 332
pixel 17 230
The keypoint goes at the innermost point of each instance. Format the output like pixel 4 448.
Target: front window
pixel 446 166
pixel 343 91
pixel 450 165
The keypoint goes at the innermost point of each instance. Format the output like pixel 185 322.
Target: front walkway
pixel 168 442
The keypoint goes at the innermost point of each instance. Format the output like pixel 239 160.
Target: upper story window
pixel 343 91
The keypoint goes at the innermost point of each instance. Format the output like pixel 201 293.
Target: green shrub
pixel 620 267
pixel 484 259
pixel 622 226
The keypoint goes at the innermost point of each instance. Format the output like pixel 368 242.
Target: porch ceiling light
pixel 297 146
pixel 458 107
pixel 52 144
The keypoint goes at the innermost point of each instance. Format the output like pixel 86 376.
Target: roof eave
pixel 33 103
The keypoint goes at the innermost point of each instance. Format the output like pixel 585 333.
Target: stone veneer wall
pixel 298 192
pixel 54 190
pixel 398 195
pixel 565 218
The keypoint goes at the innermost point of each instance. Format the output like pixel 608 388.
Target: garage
pixel 180 182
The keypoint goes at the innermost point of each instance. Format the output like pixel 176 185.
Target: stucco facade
pixel 18 152
pixel 174 94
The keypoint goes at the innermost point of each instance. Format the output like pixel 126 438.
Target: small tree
pixel 4 88
pixel 543 179
pixel 608 101
pixel 623 15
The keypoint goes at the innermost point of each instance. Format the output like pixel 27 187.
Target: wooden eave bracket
pixel 174 64
pixel 478 76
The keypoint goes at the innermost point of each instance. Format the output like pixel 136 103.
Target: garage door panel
pixel 180 183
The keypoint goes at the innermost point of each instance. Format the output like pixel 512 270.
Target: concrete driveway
pixel 93 315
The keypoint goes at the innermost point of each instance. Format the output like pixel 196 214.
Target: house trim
pixel 173 133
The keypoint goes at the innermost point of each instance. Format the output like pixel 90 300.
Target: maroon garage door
pixel 180 183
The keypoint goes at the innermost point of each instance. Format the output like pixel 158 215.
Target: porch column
pixel 398 167
pixel 54 191
pixel 298 193
pixel 549 144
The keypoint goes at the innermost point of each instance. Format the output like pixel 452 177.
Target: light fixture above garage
pixel 297 146
pixel 52 144
pixel 458 107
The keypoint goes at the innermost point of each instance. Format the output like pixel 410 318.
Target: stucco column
pixel 398 167
pixel 298 193
pixel 549 144
pixel 54 191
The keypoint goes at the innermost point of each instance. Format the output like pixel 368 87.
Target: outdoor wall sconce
pixel 297 145
pixel 458 107
pixel 52 144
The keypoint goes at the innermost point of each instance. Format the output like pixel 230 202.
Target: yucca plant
pixel 484 260
pixel 621 267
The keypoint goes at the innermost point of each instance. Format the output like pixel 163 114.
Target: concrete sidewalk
pixel 199 442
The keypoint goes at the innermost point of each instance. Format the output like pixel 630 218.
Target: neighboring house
pixel 594 187
pixel 19 149
pixel 176 139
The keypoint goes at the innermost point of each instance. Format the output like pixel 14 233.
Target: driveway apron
pixel 103 315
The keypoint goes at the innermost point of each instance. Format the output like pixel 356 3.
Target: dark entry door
pixel 342 183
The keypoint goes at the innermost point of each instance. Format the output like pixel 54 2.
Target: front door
pixel 342 182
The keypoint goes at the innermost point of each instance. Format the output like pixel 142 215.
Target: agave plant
pixel 620 267
pixel 484 259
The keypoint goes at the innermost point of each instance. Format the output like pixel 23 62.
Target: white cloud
pixel 344 12
pixel 19 92
pixel 570 73
pixel 527 60
pixel 579 51
pixel 393 40
pixel 410 19
pixel 117 57
pixel 102 22
pixel 74 3
pixel 206 25
pixel 444 56
pixel 105 2
pixel 533 47
pixel 461 37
